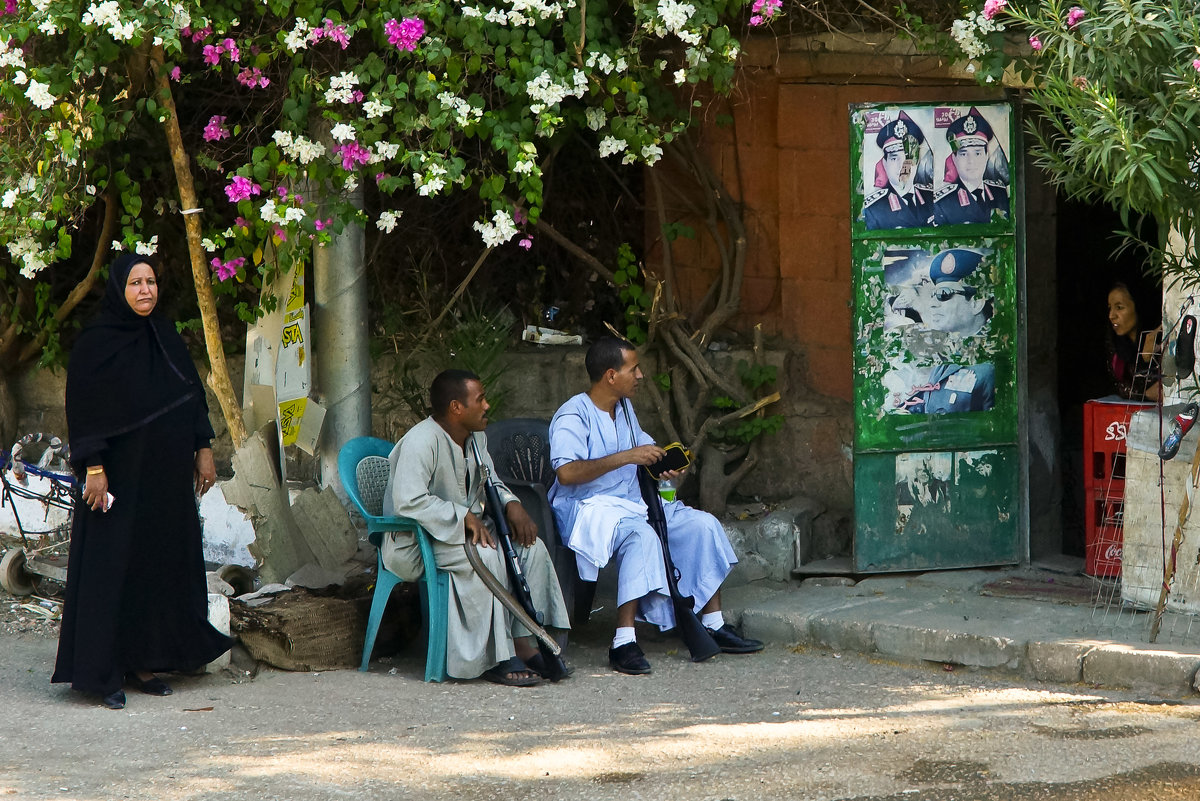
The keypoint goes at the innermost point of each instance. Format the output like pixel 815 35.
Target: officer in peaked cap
pixel 974 191
pixel 903 196
pixel 952 305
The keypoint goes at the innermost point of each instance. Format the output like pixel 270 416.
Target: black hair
pixel 606 353
pixel 447 386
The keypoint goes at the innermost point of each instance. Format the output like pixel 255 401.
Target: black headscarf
pixel 125 369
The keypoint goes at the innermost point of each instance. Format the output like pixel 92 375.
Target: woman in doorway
pixel 1134 373
pixel 136 598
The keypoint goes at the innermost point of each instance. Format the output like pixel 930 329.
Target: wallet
pixel 675 458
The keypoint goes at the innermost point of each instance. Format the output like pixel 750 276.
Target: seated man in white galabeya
pixel 596 448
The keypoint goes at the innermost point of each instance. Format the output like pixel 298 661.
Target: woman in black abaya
pixel 136 598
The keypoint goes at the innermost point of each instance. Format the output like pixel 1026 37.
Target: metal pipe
pixel 341 360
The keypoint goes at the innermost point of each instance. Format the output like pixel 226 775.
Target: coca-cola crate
pixel 1105 426
pixel 1104 536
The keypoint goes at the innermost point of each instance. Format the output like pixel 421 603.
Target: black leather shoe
pixel 733 643
pixel 628 658
pixel 114 700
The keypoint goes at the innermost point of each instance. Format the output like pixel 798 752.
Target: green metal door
pixel 937 465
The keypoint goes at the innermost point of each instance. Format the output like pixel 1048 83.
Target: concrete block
pixel 774 627
pixel 842 633
pixel 940 645
pixel 1164 672
pixel 218 616
pixel 1059 661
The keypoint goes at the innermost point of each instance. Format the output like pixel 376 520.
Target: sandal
pixel 506 673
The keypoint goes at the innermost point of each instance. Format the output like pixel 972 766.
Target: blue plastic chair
pixel 363 467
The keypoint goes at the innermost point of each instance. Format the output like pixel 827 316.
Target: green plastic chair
pixel 363 468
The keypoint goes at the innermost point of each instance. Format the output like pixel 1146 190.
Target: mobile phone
pixel 675 458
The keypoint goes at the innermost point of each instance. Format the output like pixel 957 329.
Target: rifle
pixel 556 668
pixel 700 643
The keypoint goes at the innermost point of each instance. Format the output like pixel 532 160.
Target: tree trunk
pixel 219 378
pixel 9 409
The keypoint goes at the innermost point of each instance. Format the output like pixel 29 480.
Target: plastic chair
pixel 363 467
pixel 520 449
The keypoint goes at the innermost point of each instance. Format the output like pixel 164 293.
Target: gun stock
pixel 556 668
pixel 700 643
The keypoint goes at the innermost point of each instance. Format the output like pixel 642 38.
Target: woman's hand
pixel 205 472
pixel 95 491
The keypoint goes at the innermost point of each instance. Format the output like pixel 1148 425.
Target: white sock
pixel 625 634
pixel 713 620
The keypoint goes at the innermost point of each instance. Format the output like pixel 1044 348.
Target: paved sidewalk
pixel 943 617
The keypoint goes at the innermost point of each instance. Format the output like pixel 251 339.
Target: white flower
pixel 20 79
pixel 9 199
pixel 432 182
pixel 498 231
pixel 621 65
pixel 118 245
pixel 283 140
pixel 680 76
pixel 387 220
pixel 342 132
pixel 595 118
pixel 269 214
pixel 675 15
pixel 297 39
pixel 652 153
pixel 208 244
pixel 523 166
pixel 350 184
pixel 48 27
pixel 386 150
pixel 470 11
pixel 610 145
pixel 374 109
pixel 147 248
pixel 39 94
pixel 11 57
pixel 293 214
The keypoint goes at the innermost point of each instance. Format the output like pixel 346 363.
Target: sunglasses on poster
pixel 943 295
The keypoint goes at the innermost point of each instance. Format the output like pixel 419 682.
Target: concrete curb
pixel 946 620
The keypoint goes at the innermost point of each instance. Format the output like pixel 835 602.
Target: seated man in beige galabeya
pixel 436 480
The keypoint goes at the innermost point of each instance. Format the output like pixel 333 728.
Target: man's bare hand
pixel 524 530
pixel 645 454
pixel 477 532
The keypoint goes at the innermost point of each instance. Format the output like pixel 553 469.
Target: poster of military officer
pixel 975 173
pixel 918 167
pixel 935 322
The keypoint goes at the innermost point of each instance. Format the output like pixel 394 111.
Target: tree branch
pixel 576 251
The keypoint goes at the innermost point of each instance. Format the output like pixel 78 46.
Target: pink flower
pixel 215 129
pixel 201 35
pixel 212 55
pixel 352 154
pixel 175 73
pixel 321 225
pixel 526 242
pixel 281 190
pixel 241 188
pixel 519 216
pixel 993 7
pixel 1196 65
pixel 231 49
pixel 379 176
pixel 404 35
pixel 10 6
pixel 1074 16
pixel 1035 42
pixel 241 222
pixel 279 234
pixel 356 96
pixel 253 78
pixel 763 10
pixel 228 269
pixel 336 32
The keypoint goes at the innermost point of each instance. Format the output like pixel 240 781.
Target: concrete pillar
pixel 341 361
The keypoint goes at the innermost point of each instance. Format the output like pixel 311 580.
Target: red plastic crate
pixel 1105 426
pixel 1104 537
